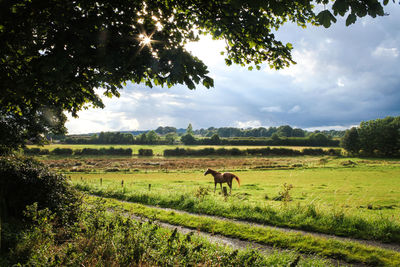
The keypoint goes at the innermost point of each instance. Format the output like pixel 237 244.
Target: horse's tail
pixel 237 179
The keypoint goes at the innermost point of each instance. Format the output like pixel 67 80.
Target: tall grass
pixel 103 239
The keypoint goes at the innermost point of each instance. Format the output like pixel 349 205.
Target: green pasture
pixel 373 190
pixel 158 150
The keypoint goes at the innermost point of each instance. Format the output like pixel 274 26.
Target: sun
pixel 145 40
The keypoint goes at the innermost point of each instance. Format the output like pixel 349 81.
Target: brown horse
pixel 220 178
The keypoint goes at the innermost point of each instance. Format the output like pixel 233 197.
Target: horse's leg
pixel 221 186
pixel 230 187
pixel 215 186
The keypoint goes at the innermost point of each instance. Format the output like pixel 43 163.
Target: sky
pixel 344 75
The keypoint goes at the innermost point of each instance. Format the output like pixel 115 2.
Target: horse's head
pixel 208 171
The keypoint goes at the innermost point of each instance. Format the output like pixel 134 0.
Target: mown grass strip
pixel 350 252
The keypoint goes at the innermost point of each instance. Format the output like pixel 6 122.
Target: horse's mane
pixel 212 171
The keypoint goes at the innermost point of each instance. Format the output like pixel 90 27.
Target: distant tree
pixel 380 136
pixel 141 139
pixel 189 129
pixel 170 138
pixel 152 137
pixel 318 139
pixel 275 139
pixel 188 139
pixel 285 131
pixel 215 140
pixel 351 141
pixel 164 130
pixel 297 132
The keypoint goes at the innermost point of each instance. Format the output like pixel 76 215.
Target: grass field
pixel 372 190
pixel 360 200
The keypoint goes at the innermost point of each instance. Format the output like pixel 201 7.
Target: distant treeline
pixel 281 131
pixel 152 138
pixel 315 139
pixel 177 152
pixel 380 137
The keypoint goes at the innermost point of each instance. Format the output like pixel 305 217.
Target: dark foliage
pixel 146 152
pixel 380 137
pixel 24 181
pixel 104 151
pixel 177 152
pixel 82 152
pixel 62 151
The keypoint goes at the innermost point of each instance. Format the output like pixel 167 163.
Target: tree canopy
pixel 374 137
pixel 55 54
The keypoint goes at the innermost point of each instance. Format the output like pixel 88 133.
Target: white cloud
pixel 340 82
pixel 248 124
pixel 381 51
pixel 295 109
pixel 272 109
pixel 306 65
pixel 97 120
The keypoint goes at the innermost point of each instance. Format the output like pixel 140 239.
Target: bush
pixel 174 152
pixel 36 151
pixel 25 181
pixel 146 152
pixel 61 151
pixel 250 151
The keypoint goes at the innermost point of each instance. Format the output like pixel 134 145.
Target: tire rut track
pixel 388 246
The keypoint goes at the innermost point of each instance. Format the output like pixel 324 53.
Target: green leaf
pixel 340 7
pixel 326 18
pixel 351 19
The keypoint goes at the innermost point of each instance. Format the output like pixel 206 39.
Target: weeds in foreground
pixel 103 239
pixel 284 195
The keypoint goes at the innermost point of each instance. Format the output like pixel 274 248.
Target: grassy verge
pixel 305 217
pixel 351 252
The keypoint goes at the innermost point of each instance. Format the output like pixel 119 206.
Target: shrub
pixel 36 151
pixel 313 151
pixel 146 152
pixel 174 152
pixel 61 151
pixel 25 181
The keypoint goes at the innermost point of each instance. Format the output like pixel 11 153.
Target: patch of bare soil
pixel 174 164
